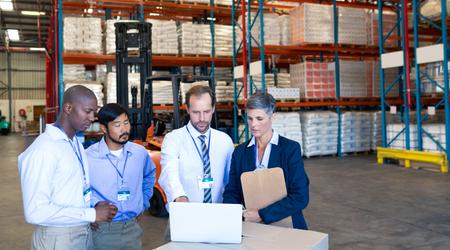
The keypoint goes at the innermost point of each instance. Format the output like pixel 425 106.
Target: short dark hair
pixel 264 101
pixel 198 90
pixel 110 112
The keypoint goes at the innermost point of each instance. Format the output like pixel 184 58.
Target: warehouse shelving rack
pixel 288 54
pixel 438 32
pixel 402 78
pixel 443 39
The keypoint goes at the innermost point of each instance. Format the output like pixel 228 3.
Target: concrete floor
pixel 360 205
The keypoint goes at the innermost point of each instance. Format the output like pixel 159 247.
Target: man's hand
pixel 182 199
pixel 251 215
pixel 104 211
pixel 95 226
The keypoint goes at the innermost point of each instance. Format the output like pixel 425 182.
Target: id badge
pixel 87 193
pixel 205 183
pixel 123 194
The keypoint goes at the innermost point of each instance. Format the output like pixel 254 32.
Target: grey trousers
pixel 118 235
pixel 64 238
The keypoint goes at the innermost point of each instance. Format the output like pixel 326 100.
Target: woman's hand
pixel 251 215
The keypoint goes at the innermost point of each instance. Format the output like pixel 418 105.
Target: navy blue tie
pixel 206 169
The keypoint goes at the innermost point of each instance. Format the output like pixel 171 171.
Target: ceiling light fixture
pixel 6 5
pixel 13 34
pixel 37 49
pixel 32 13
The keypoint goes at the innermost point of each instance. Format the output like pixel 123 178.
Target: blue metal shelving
pixel 419 74
pixel 245 47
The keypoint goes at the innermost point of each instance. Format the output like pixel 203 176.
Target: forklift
pixel 5 126
pixel 146 130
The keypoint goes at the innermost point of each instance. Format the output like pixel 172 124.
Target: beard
pixel 117 141
pixel 200 130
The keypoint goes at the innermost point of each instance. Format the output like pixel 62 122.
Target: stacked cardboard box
pixel 315 80
pixel 353 77
pixel 311 23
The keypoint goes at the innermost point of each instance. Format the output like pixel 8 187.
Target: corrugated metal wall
pixel 27 75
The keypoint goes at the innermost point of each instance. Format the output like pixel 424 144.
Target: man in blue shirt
pixel 122 173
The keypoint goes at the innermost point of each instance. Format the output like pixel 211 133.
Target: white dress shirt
pixel 182 165
pixel 265 159
pixel 52 181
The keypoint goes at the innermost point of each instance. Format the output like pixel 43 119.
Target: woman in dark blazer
pixel 267 149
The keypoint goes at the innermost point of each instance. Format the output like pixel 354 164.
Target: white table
pixel 261 237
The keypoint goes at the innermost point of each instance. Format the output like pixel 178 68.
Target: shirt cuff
pixel 90 214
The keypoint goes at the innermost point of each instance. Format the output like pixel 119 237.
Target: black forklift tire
pixel 157 206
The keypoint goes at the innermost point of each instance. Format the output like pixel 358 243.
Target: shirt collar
pixel 104 150
pixel 194 132
pixel 273 140
pixel 56 133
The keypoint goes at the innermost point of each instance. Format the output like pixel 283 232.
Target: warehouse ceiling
pixel 33 29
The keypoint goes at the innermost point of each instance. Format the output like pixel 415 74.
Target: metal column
pixel 337 73
pixel 406 80
pixel 9 69
pixel 382 90
pixel 60 55
pixel 417 75
pixel 445 69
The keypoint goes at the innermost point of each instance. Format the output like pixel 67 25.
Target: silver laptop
pixel 202 222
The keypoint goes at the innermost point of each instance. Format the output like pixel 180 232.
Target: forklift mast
pixel 135 35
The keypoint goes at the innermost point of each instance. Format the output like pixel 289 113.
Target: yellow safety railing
pixel 439 159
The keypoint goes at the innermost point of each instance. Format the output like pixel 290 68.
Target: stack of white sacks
pixel 134 79
pixel 194 39
pixel 225 91
pixel 164 36
pixel 110 39
pixel 319 132
pixel 283 90
pixel 223 40
pixel 288 125
pixel 356 131
pixel 83 34
pixel 432 8
pixel 92 85
pixel 75 74
pixel 162 92
pixel 184 88
pixel 272 31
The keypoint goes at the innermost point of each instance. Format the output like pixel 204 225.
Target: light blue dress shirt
pixel 139 176
pixel 52 181
pixel 265 159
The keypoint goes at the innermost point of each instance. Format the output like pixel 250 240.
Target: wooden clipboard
pixel 264 187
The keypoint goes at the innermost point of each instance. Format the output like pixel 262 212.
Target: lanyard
pixel 116 168
pixel 195 144
pixel 78 154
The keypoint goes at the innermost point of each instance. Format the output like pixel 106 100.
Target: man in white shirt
pixel 54 176
pixel 195 159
